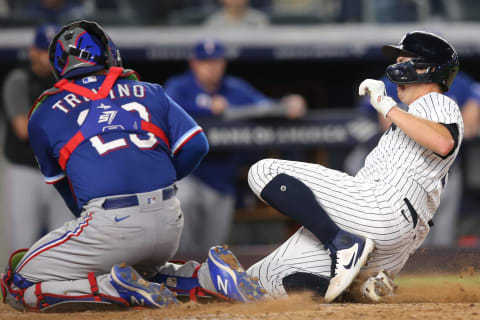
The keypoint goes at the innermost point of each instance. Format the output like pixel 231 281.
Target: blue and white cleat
pixel 139 292
pixel 229 277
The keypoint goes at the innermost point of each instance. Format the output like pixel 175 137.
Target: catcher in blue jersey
pixel 113 147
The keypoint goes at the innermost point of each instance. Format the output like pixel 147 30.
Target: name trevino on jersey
pixel 119 90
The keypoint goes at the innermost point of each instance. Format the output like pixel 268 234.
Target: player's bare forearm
pixel 429 134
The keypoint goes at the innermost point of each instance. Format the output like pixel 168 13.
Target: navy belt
pixel 132 200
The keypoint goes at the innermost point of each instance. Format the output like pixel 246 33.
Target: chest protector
pixel 104 116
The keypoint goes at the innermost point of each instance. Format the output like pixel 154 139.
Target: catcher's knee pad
pixel 10 295
pixel 303 281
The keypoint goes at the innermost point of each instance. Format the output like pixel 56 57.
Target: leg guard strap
pixel 94 286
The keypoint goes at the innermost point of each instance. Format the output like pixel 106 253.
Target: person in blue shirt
pixel 466 92
pixel 205 90
pixel 113 147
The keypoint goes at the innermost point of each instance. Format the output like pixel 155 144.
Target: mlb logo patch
pixel 89 79
pixel 151 200
pixel 171 282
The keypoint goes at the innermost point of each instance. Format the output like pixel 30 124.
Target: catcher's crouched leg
pixel 94 293
pixel 62 296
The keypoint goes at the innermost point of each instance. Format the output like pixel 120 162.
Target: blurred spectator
pixel 55 11
pixel 467 95
pixel 208 195
pixel 237 14
pixel 323 10
pixel 29 205
pixel 4 8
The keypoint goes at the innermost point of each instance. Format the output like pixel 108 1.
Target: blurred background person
pixel 237 14
pixel 466 93
pixel 208 195
pixel 4 9
pixel 30 208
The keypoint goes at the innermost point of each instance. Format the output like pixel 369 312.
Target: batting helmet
pixel 80 48
pixel 429 52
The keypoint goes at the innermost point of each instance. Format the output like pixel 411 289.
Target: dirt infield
pixel 418 297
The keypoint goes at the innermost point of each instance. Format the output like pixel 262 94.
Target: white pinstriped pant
pixel 368 208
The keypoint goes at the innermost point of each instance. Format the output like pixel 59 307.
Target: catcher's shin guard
pixel 57 301
pixel 13 287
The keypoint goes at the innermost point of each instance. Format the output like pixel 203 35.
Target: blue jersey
pixel 461 90
pixel 217 170
pixel 122 144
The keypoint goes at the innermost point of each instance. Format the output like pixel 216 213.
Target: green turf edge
pixel 438 279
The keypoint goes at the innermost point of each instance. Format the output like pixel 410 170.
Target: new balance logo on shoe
pixel 229 277
pixel 222 286
pixel 134 301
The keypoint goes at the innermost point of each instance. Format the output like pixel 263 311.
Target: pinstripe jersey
pixel 370 204
pixel 416 172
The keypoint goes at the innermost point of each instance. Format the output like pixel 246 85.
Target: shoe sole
pixel 367 250
pixel 129 279
pixel 246 287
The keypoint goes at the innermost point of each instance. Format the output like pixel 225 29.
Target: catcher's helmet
pixel 81 48
pixel 429 52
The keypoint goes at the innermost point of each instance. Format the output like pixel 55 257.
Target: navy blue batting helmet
pixel 429 52
pixel 80 48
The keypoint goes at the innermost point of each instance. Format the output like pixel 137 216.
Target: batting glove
pixel 378 95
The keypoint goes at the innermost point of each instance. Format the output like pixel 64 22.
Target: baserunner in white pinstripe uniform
pixel 392 199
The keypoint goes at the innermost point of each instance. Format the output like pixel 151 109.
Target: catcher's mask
pixel 80 48
pixel 429 52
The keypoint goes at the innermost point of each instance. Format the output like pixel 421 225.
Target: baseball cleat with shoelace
pixel 349 254
pixel 229 277
pixel 139 292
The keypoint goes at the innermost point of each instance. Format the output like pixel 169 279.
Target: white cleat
pixel 349 254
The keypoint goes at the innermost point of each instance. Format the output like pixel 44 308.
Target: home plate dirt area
pixel 429 297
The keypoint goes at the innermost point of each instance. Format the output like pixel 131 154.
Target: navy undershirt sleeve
pixel 191 154
pixel 64 189
pixel 453 128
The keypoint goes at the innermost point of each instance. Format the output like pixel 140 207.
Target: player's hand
pixel 378 95
pixel 218 105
